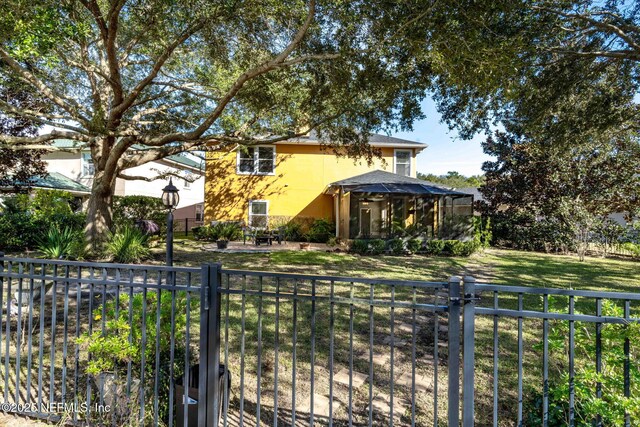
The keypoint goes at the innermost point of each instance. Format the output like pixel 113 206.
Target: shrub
pixel 368 247
pixel 24 218
pixel 453 247
pixel 127 245
pixel 111 351
pixel 377 246
pixel 414 245
pixel 321 230
pixel 219 231
pixel 631 247
pixel 129 210
pixel 482 231
pixel 62 243
pixel 613 404
pixel 396 246
pixel 434 247
pixel 359 247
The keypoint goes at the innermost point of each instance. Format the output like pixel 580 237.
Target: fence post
pixel 208 384
pixel 186 226
pixel 454 352
pixel 468 352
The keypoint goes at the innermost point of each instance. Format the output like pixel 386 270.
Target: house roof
pixel 379 181
pixel 475 191
pixel 57 181
pixel 176 158
pixel 375 140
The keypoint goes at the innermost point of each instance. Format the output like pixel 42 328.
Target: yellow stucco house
pixel 298 179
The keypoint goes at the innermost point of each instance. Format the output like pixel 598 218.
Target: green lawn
pixel 505 267
pixel 493 265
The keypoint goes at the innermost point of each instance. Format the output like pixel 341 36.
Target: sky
pixel 446 152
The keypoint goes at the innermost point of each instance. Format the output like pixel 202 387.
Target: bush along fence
pixel 121 344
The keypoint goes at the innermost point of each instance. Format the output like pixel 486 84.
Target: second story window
pixel 88 168
pixel 256 160
pixel 402 162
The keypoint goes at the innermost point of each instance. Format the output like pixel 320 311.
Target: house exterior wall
pixel 190 194
pixel 70 165
pixel 67 164
pixel 296 189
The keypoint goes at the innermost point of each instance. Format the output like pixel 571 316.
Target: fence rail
pixel 214 346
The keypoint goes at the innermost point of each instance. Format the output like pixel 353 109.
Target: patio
pixel 239 247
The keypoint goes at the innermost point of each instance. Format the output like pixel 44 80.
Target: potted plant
pixel 304 242
pixel 225 232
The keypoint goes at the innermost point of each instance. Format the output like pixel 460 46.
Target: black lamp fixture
pixel 170 196
pixel 170 200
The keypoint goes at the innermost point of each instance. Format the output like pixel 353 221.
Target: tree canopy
pixel 453 179
pixel 17 167
pixel 134 81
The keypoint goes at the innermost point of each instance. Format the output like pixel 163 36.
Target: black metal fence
pixel 108 343
pixel 183 226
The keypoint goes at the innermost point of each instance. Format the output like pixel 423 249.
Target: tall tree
pixel 18 167
pixel 134 81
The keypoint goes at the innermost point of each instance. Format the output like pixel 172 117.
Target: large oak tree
pixel 134 81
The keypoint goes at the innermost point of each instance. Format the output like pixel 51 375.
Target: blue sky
pixel 446 152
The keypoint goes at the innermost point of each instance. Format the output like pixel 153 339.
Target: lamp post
pixel 170 200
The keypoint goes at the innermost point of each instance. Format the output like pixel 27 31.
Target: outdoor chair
pixel 248 233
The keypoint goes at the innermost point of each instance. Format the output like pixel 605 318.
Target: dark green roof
pixel 58 181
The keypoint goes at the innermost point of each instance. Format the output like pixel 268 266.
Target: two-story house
pixel 299 179
pixel 78 167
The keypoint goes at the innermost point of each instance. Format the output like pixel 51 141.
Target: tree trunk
pixel 99 220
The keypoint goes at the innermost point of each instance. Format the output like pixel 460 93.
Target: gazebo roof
pixel 383 182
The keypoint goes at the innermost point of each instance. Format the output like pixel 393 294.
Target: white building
pixel 78 167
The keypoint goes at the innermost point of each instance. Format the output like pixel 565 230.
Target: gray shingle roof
pixel 379 181
pixel 375 139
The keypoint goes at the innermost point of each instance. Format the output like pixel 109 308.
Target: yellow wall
pixel 302 174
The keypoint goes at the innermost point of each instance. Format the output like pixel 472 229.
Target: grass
pixel 505 267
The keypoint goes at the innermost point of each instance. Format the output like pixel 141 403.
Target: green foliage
pixel 634 248
pixel 525 231
pixel 23 218
pixel 321 230
pixel 453 179
pixel 397 246
pixel 220 231
pixel 129 209
pixel 482 231
pixel 127 245
pixel 368 247
pixel 434 247
pixel 111 351
pixel 613 403
pixel 62 243
pixel 454 247
pixel 414 245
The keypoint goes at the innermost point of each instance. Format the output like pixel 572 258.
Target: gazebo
pixel 379 204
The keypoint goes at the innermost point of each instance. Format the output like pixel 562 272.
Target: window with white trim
pixel 258 160
pixel 88 169
pixel 258 213
pixel 402 162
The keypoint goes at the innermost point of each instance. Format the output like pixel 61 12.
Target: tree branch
pixel 131 98
pixel 67 104
pixel 161 175
pixel 35 142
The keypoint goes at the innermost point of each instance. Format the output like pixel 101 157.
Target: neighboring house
pixel 78 167
pixel 266 185
pixel 57 181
